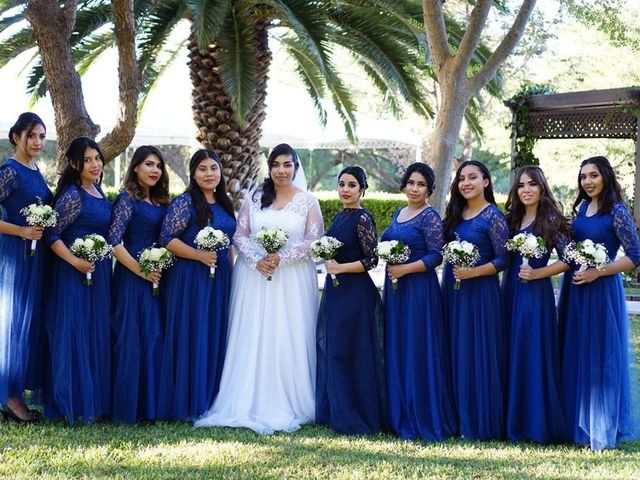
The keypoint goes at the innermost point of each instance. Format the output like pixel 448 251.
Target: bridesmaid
pixel 534 410
pixel 477 330
pixel 21 275
pixel 78 320
pixel 350 372
pixel 137 327
pixel 595 350
pixel 417 367
pixel 197 307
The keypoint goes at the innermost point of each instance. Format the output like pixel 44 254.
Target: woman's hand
pixel 153 277
pixel 396 271
pixel 463 273
pixel 587 276
pixel 83 266
pixel 31 233
pixel 208 257
pixel 265 266
pixel 527 273
pixel 332 267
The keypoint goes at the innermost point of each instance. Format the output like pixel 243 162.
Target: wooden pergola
pixel 613 113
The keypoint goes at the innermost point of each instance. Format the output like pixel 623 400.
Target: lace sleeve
pixel 176 220
pixel 561 242
pixel 8 182
pixel 433 232
pixel 368 239
pixel 314 228
pixel 626 232
pixel 120 218
pixel 498 234
pixel 242 239
pixel 68 206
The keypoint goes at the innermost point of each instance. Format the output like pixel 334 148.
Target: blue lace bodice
pixel 20 186
pixel 356 229
pixel 489 232
pixel 561 243
pixel 79 214
pixel 613 229
pixel 180 221
pixel 423 234
pixel 135 223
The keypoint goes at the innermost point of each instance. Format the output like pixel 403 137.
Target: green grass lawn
pixel 175 450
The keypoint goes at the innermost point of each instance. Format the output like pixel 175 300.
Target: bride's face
pixel 282 170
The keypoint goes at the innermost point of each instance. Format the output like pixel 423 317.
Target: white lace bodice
pixel 301 218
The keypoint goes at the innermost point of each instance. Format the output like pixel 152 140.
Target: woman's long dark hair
pixel 611 190
pixel 203 212
pixel 159 193
pixel 550 221
pixel 453 212
pixel 75 164
pixel 26 121
pixel 268 190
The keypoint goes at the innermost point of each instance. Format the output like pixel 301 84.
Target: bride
pixel 268 379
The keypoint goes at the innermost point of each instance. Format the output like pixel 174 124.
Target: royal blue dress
pixel 477 330
pixel 137 321
pixel 595 343
pixel 196 313
pixel 534 407
pixel 21 279
pixel 350 371
pixel 416 357
pixel 78 316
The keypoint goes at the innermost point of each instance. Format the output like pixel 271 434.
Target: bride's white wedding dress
pixel 268 379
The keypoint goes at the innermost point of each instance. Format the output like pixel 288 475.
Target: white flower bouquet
pixel 272 240
pixel 92 248
pixel 462 254
pixel 212 239
pixel 39 215
pixel 155 259
pixel 325 248
pixel 394 252
pixel 527 245
pixel 587 254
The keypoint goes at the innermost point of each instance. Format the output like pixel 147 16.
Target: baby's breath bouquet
pixel 155 259
pixel 272 240
pixel 462 254
pixel 587 254
pixel 92 248
pixel 394 252
pixel 527 245
pixel 325 248
pixel 212 239
pixel 39 215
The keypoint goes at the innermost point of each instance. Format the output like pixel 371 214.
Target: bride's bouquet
pixel 272 240
pixel 92 248
pixel 325 248
pixel 39 215
pixel 211 239
pixel 394 252
pixel 527 245
pixel 155 259
pixel 587 254
pixel 462 254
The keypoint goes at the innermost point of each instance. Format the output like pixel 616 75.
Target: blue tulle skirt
pixel 478 351
pixel 78 327
pixel 197 315
pixel 137 331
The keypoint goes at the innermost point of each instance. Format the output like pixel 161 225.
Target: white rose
pixel 588 249
pixel 467 247
pixel 384 248
pixel 89 243
pixel 455 245
pixel 280 235
pixel 600 256
pixel 519 237
pixel 587 243
pixel 99 238
pixel 531 241
pixel 77 243
pixel 155 254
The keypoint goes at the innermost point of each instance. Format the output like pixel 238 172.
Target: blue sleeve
pixel 120 218
pixel 498 234
pixel 368 238
pixel 176 220
pixel 433 233
pixel 8 181
pixel 68 206
pixel 626 232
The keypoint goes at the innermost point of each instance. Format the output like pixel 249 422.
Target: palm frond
pixel 155 28
pixel 208 19
pixel 7 22
pixel 16 44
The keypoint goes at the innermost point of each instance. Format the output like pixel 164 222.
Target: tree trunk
pixel 215 119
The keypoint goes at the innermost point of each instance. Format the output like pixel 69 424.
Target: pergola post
pixel 636 185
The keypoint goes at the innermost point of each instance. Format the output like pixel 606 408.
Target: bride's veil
pixel 300 180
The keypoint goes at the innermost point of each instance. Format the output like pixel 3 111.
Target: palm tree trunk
pixel 218 129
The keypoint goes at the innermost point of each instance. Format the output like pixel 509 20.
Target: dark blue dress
pixel 595 343
pixel 534 409
pixel 196 314
pixel 21 278
pixel 477 330
pixel 78 316
pixel 350 371
pixel 417 365
pixel 137 322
